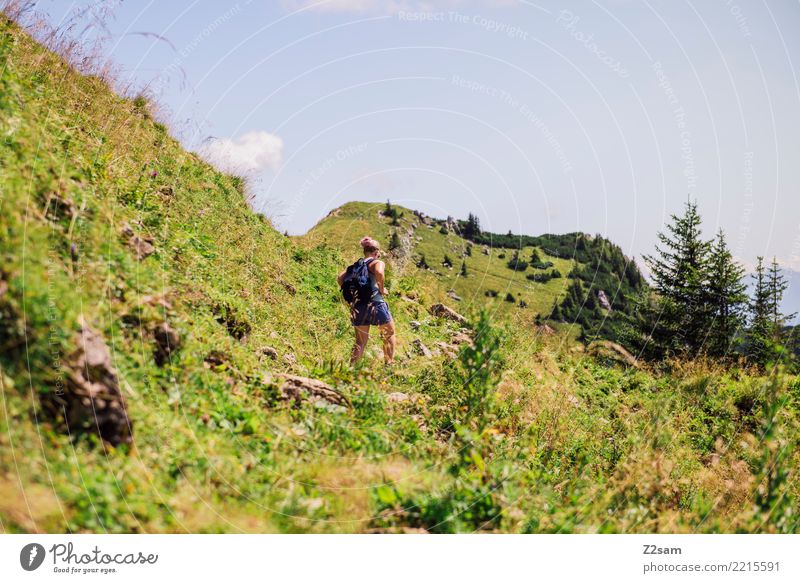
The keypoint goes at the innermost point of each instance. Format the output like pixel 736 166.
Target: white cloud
pixel 249 153
pixel 385 6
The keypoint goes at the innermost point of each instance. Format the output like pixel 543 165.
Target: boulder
pixel 442 311
pixel 300 389
pixel 414 325
pixel 91 398
pixel 267 352
pixel 421 349
pixel 397 397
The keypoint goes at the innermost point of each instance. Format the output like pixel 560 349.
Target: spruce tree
pixel 777 285
pixel 463 269
pixel 394 243
pixel 759 333
pixel 472 227
pixel 727 297
pixel 679 270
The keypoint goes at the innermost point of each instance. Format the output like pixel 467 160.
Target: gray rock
pixel 421 348
pixel 603 299
pixel 442 311
pixel 267 352
pixel 91 398
pixel 453 295
pixel 301 389
pixel 414 325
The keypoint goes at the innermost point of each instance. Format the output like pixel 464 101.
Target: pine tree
pixel 394 243
pixel 679 270
pixel 421 263
pixel 777 285
pixel 463 269
pixel 726 294
pixel 759 333
pixel 447 262
pixel 536 259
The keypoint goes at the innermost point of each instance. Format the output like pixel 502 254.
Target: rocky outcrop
pixel 602 299
pixel 442 311
pixel 91 399
pixel 302 389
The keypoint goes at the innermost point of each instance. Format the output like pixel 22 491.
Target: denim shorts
pixel 370 314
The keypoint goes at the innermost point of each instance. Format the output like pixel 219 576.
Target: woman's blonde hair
pixel 370 245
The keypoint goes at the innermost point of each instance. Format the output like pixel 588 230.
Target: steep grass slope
pixel 106 222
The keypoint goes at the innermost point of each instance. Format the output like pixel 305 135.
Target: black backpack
pixel 356 286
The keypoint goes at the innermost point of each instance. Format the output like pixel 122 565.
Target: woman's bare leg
pixel 362 336
pixel 389 341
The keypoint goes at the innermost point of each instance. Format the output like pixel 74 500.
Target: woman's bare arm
pixel 379 273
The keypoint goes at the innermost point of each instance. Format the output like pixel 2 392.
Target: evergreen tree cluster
pixel 391 212
pixel 699 302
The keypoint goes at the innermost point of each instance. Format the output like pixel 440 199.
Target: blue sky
pixel 538 117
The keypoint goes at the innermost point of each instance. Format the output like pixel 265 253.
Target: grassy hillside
pixel 486 267
pixel 107 224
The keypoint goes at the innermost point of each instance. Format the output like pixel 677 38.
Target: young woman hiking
pixel 363 288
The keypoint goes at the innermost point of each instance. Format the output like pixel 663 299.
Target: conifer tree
pixel 679 270
pixel 759 333
pixel 727 297
pixel 394 243
pixel 472 227
pixel 777 285
pixel 463 269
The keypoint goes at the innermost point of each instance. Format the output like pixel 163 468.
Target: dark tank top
pixel 375 296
